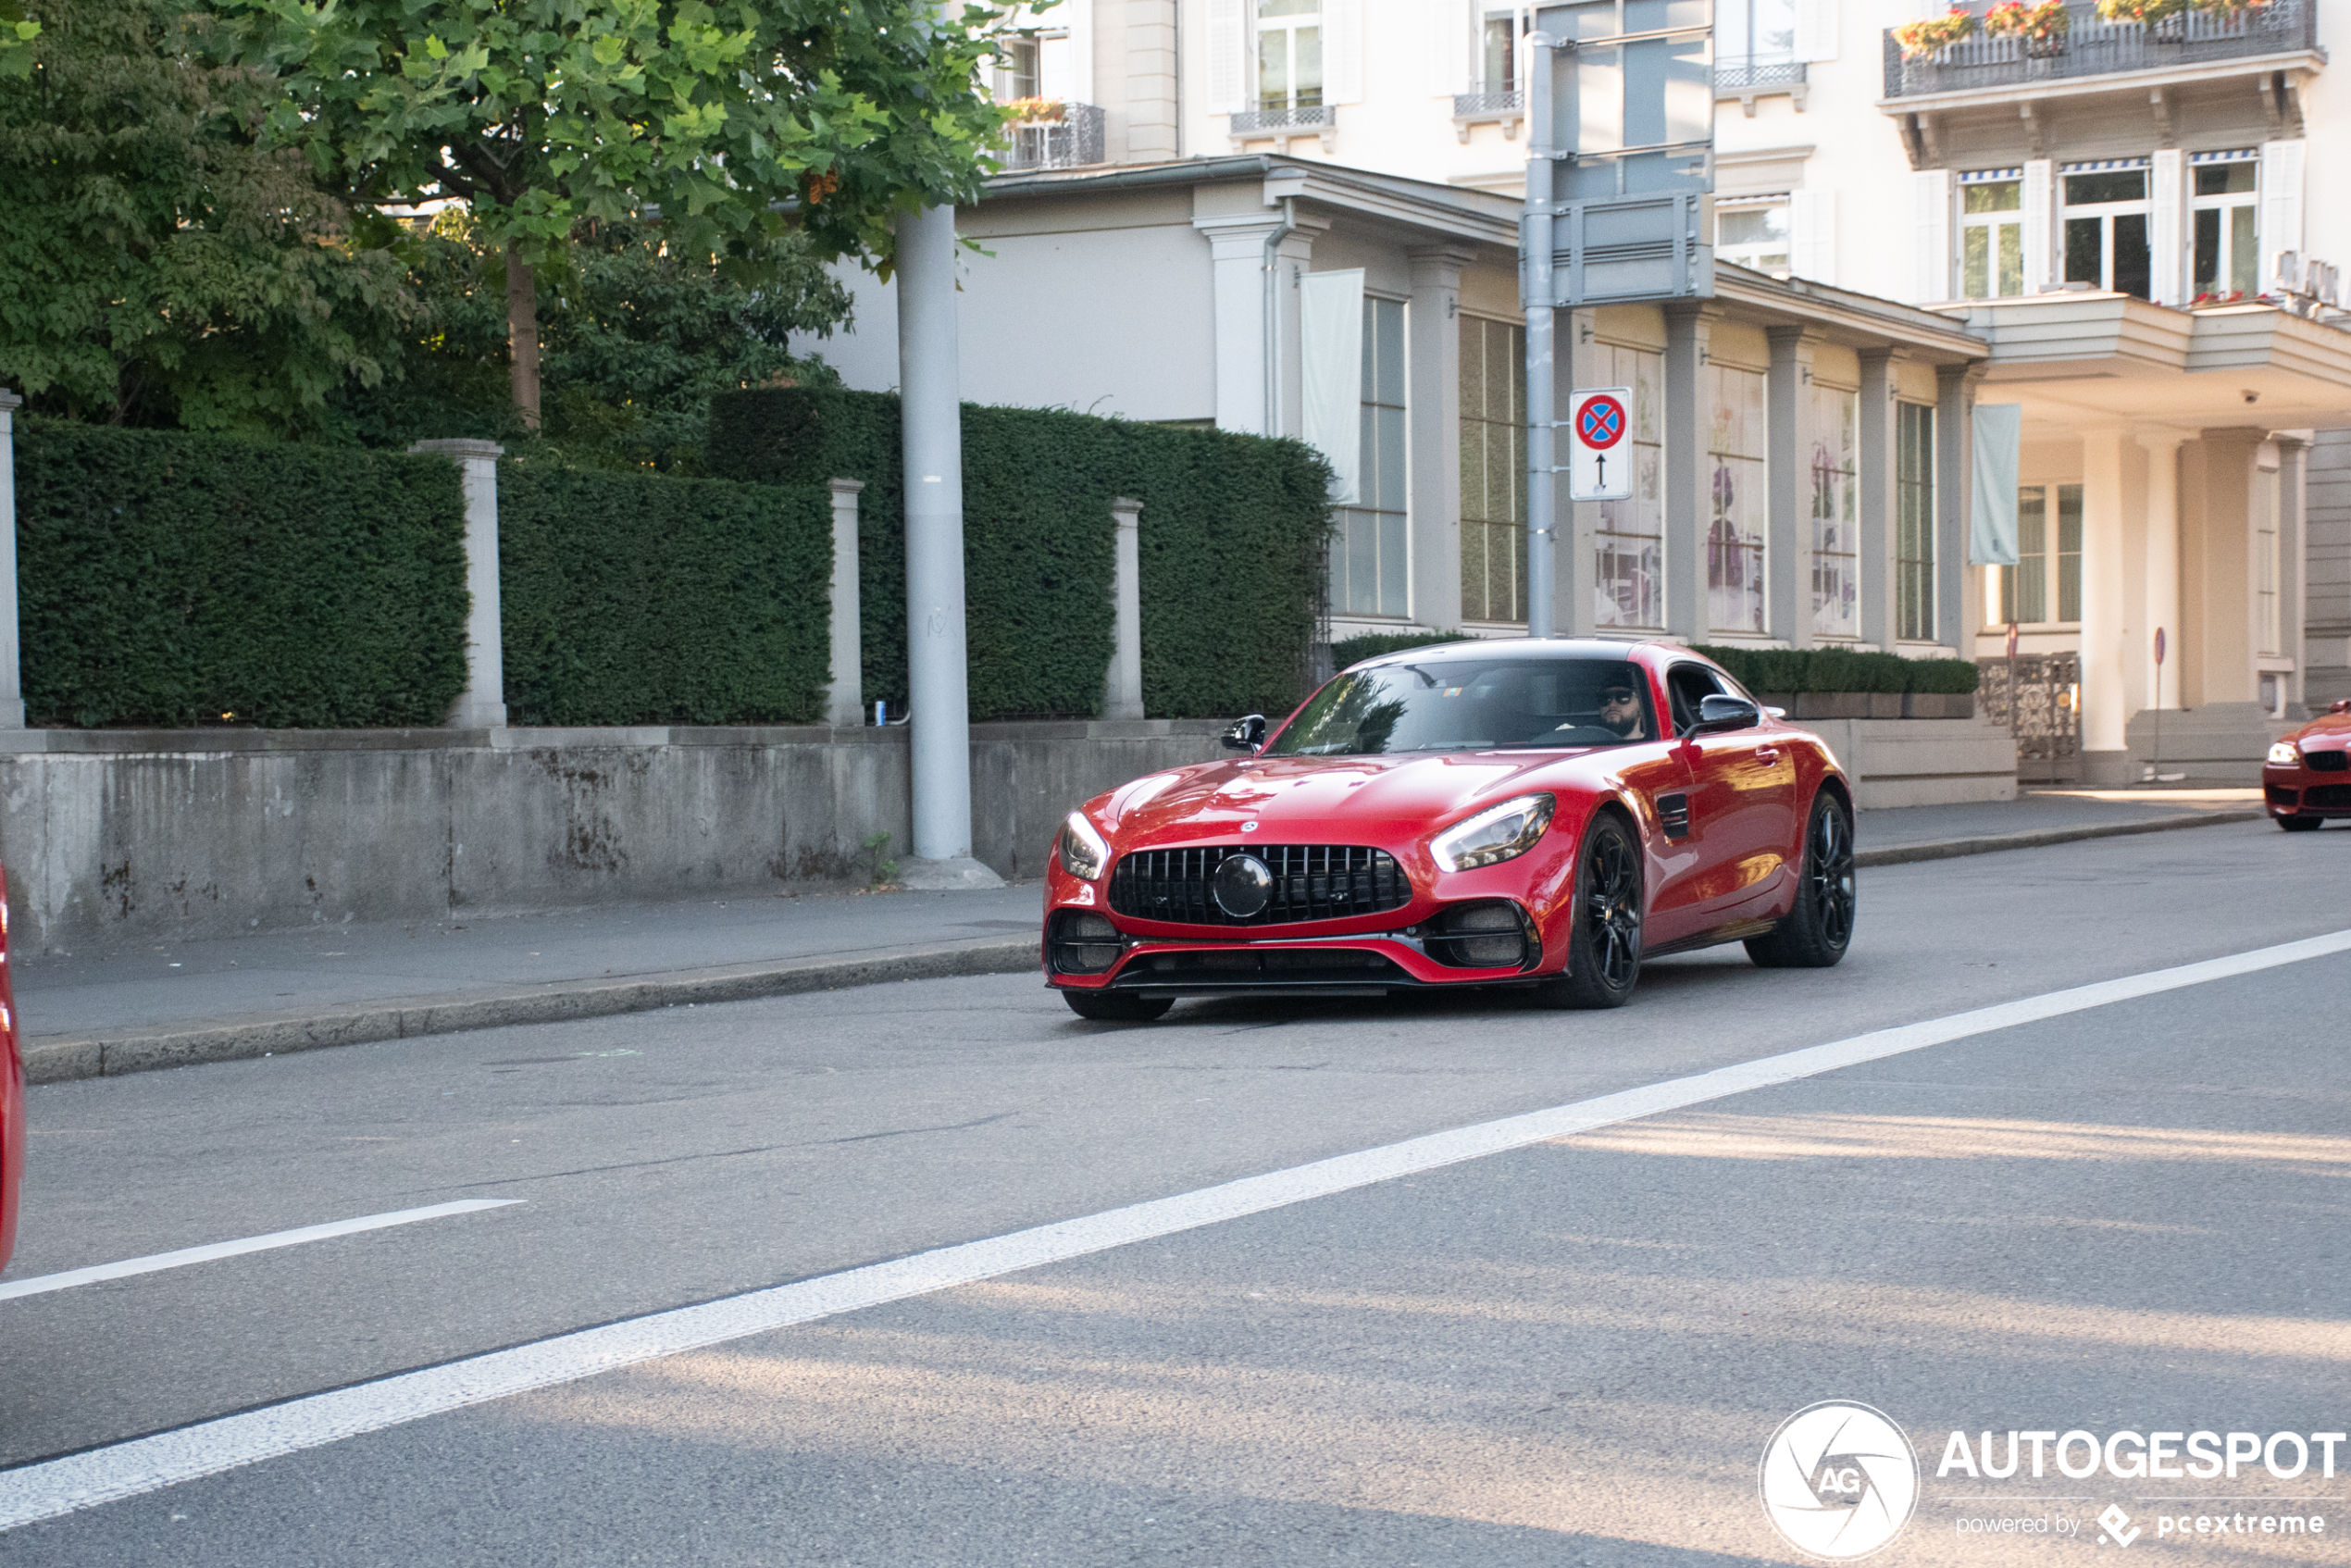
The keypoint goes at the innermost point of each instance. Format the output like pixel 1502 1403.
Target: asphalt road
pixel 2130 1216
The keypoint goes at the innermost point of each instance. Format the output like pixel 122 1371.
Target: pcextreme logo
pixel 1839 1480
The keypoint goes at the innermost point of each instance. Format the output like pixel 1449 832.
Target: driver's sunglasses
pixel 1609 699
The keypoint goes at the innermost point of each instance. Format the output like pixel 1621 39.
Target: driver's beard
pixel 1631 722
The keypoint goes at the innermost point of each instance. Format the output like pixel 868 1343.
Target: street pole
pixel 1541 405
pixel 931 421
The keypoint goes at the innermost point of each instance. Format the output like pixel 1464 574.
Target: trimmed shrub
pixel 634 598
pixel 1371 644
pixel 175 580
pixel 1791 670
pixel 1949 677
pixel 1233 530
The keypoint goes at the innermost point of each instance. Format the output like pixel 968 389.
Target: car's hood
pixel 1304 800
pixel 2328 732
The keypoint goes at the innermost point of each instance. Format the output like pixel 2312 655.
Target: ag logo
pixel 1839 1480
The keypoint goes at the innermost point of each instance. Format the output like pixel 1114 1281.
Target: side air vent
pixel 1674 816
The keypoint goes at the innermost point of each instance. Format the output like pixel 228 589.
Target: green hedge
pixel 1371 644
pixel 634 598
pixel 1232 539
pixel 175 580
pixel 1791 670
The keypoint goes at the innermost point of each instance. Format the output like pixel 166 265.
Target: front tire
pixel 2300 823
pixel 1117 1007
pixel 1818 931
pixel 1604 938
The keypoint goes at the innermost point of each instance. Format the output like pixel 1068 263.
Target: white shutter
pixel 1811 224
pixel 1227 56
pixel 1078 16
pixel 1453 49
pixel 1816 29
pixel 2168 176
pixel 2040 200
pixel 1931 209
pixel 2281 221
pixel 1342 51
pixel 1330 373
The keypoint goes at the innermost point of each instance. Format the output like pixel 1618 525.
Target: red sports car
pixel 2307 778
pixel 1541 814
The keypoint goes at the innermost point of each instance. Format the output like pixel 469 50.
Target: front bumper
pixel 1299 966
pixel 2303 792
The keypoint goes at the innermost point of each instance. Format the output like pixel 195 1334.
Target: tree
pixel 162 266
pixel 544 115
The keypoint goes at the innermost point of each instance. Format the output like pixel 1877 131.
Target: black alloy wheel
pixel 1117 1007
pixel 2300 823
pixel 1817 931
pixel 1604 944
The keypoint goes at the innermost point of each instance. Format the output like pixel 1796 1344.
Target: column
pixel 1687 480
pixel 482 704
pixel 1123 682
pixel 11 678
pixel 2293 454
pixel 1788 551
pixel 1253 260
pixel 1954 448
pixel 845 697
pixel 2110 462
pixel 1152 134
pixel 1881 501
pixel 1432 416
pixel 2162 684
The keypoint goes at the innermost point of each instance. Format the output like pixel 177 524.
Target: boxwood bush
pixel 1791 670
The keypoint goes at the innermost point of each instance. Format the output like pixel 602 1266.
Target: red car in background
pixel 11 1095
pixel 1535 813
pixel 2307 778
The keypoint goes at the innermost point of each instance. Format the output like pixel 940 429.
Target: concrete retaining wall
pixel 1922 762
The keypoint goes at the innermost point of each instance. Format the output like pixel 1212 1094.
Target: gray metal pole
pixel 937 699
pixel 1535 245
pixel 11 693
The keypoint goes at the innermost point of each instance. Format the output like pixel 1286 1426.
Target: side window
pixel 1687 684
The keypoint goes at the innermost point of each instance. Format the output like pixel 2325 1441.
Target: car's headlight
pixel 2283 754
pixel 1083 850
pixel 1503 832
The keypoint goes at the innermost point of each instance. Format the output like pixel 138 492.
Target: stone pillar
pixel 845 697
pixel 2161 685
pixel 1880 500
pixel 2107 462
pixel 1788 551
pixel 2293 454
pixel 482 704
pixel 1954 449
pixel 11 672
pixel 1433 420
pixel 1255 314
pixel 1687 478
pixel 1122 682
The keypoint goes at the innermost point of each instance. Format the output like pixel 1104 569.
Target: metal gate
pixel 2038 696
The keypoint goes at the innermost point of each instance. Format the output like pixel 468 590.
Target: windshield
pixel 1451 702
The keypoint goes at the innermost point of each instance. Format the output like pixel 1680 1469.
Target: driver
pixel 1621 711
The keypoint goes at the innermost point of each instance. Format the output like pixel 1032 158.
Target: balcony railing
pixel 1268 122
pixel 1758 76
pixel 2091 48
pixel 1072 141
pixel 1502 107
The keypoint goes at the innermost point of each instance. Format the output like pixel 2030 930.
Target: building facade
pixel 1259 212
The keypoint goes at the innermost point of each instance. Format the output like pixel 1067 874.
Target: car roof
pixel 1613 649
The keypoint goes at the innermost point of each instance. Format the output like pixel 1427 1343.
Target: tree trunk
pixel 522 334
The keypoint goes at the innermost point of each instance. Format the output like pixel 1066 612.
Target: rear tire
pixel 1604 936
pixel 1117 1007
pixel 2300 823
pixel 1818 931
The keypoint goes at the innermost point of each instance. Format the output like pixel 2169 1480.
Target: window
pixel 1914 522
pixel 1992 234
pixel 1493 470
pixel 2106 225
pixel 1736 443
pixel 1836 575
pixel 1497 52
pixel 2044 558
pixel 1629 547
pixel 1017 68
pixel 1367 560
pixel 1289 53
pixel 1752 231
pixel 2228 250
pixel 1754 32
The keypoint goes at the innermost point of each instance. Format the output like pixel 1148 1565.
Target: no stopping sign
pixel 1599 460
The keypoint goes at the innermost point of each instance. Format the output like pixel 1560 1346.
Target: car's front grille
pixel 2326 762
pixel 2328 797
pixel 1311 882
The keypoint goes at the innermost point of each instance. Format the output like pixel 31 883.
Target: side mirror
pixel 1720 712
pixel 1246 734
pixel 2342 707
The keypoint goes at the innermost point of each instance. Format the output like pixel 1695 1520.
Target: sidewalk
pixel 89 1014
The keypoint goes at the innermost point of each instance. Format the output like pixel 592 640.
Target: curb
pixel 63 1058
pixel 1951 849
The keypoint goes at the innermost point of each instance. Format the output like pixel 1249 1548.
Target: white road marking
pixel 186 1255
pixel 57 1487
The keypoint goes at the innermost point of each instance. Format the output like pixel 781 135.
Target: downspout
pixel 1274 316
